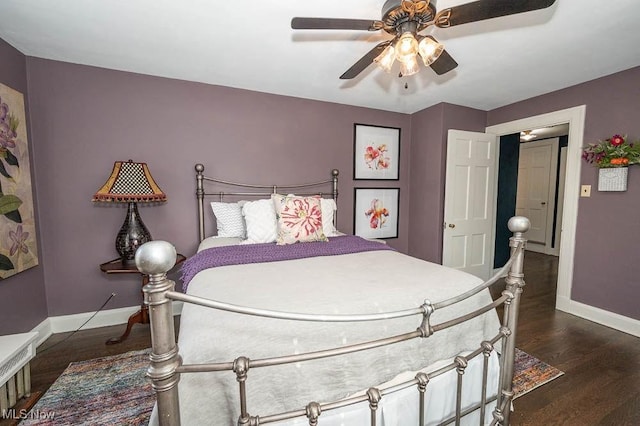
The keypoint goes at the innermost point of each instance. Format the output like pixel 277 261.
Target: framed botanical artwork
pixel 376 212
pixel 376 152
pixel 18 244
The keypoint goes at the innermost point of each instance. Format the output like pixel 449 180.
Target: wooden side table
pixel 116 266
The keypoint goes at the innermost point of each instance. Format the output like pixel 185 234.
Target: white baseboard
pixel 66 323
pixel 600 316
pixel 44 331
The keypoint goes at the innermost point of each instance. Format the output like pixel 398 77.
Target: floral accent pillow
pixel 299 219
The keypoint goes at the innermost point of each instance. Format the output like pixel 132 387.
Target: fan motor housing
pixel 394 16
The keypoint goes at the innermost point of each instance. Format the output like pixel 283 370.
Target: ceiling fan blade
pixel 335 24
pixel 365 61
pixel 444 63
pixel 487 9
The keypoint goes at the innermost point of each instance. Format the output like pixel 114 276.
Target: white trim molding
pixel 600 316
pixel 575 117
pixel 66 323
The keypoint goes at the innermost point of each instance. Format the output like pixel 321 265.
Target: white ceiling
pixel 249 44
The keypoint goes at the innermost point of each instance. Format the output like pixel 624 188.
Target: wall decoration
pixel 613 179
pixel 18 244
pixel 376 212
pixel 612 156
pixel 376 152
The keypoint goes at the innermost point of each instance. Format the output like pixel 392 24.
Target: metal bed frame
pixel 255 190
pixel 156 258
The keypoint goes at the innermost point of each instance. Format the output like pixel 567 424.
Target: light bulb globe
pixel 406 47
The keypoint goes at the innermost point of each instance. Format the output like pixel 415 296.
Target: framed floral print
pixel 376 212
pixel 376 152
pixel 18 245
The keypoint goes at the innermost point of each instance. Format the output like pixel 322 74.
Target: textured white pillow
pixel 262 225
pixel 328 206
pixel 229 219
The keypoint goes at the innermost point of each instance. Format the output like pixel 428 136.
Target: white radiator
pixel 16 350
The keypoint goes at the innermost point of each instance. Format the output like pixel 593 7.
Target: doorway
pixel 575 117
pixel 535 196
pixel 531 175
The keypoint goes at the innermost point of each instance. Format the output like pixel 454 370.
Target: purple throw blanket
pixel 270 252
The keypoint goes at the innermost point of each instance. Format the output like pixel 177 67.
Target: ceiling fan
pixel 405 19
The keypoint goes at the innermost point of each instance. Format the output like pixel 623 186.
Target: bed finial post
pixel 334 193
pixel 515 282
pixel 155 259
pixel 200 197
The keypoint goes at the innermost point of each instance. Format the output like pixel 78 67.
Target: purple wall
pixel 429 130
pixel 608 229
pixel 86 118
pixel 22 296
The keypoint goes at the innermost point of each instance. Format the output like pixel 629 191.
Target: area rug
pixel 531 373
pixel 114 390
pixel 111 390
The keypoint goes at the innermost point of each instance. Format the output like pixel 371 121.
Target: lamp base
pixel 132 235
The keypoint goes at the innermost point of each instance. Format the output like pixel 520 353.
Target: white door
pixel 469 202
pixel 535 198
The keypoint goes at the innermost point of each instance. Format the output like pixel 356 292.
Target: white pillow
pixel 328 206
pixel 262 225
pixel 229 219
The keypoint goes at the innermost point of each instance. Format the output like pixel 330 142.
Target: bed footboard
pixel 156 258
pixel 514 285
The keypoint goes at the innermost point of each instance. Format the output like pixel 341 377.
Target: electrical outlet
pixel 585 191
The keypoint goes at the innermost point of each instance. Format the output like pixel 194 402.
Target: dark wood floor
pixel 601 385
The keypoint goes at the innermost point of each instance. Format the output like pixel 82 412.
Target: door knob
pixel 543 203
pixel 452 225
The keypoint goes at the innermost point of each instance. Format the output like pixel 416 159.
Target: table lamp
pixel 130 183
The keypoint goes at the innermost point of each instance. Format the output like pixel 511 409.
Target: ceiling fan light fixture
pixel 527 135
pixel 429 50
pixel 405 19
pixel 385 60
pixel 409 67
pixel 406 47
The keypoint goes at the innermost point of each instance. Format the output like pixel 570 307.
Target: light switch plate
pixel 585 191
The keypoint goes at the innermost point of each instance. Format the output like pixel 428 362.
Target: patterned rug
pixel 114 390
pixel 531 373
pixel 111 390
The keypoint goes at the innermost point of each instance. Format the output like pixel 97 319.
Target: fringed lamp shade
pixel 130 183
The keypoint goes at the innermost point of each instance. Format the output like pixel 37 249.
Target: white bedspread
pixel 347 284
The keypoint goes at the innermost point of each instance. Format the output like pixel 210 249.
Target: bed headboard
pixel 257 190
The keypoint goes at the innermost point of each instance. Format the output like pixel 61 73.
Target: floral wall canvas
pixel 376 152
pixel 376 212
pixel 18 244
